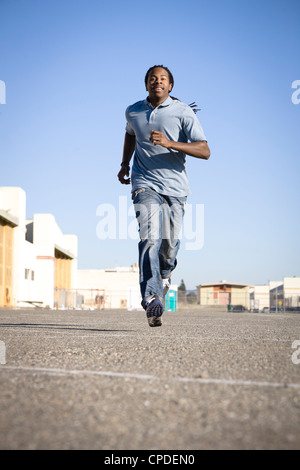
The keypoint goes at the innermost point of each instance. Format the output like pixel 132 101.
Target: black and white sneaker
pixel 154 310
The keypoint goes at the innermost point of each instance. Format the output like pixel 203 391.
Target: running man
pixel 160 132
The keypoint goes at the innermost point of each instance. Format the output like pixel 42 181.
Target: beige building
pixel 223 294
pixel 35 256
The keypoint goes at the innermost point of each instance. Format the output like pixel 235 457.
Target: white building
pixel 35 256
pixel 285 294
pixel 291 287
pixel 260 297
pixel 277 295
pixel 110 288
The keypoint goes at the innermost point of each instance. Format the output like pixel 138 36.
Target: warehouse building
pixel 224 294
pixel 36 258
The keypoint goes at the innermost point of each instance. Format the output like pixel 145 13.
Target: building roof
pixel 223 283
pixel 12 220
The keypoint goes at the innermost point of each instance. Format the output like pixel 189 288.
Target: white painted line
pixel 96 334
pixel 126 375
pixel 251 383
pixel 51 371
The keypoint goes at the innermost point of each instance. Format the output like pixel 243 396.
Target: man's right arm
pixel 128 149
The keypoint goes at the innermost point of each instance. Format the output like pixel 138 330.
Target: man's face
pixel 158 84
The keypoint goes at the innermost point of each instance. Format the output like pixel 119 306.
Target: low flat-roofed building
pixel 223 294
pixel 110 288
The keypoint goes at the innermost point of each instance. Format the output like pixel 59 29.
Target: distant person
pixel 160 131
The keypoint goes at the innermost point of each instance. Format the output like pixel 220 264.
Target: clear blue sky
pixel 71 67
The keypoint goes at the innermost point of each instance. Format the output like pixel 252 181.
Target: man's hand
pixel 194 149
pixel 128 149
pixel 122 173
pixel 159 138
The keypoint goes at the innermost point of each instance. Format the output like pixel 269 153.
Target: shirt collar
pixel 165 103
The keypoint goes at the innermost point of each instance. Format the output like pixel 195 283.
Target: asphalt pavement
pixel 105 380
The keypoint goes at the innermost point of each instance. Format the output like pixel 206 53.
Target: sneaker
pixel 154 310
pixel 166 285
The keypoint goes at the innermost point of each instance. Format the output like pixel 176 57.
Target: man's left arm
pixel 194 149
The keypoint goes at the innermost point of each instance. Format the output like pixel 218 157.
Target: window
pixel 29 275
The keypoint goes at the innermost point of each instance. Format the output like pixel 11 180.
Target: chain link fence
pixel 96 299
pixel 101 299
pixel 280 302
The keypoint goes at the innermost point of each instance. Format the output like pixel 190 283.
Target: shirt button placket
pixel 152 116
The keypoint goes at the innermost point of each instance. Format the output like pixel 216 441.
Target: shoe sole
pixel 154 321
pixel 154 313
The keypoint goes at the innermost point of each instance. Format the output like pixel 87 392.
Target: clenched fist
pixel 159 138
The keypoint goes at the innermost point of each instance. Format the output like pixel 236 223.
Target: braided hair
pixel 171 80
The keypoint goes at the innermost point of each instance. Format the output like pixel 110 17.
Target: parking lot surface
pixel 105 380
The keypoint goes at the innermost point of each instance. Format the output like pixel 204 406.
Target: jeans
pixel 160 220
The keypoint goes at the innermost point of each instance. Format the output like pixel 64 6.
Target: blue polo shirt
pixel 159 168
